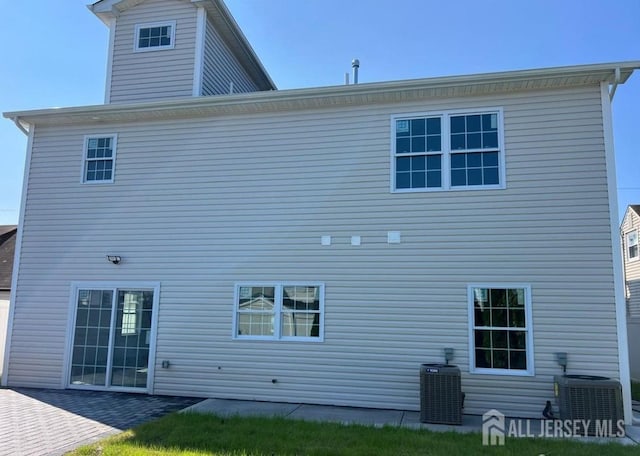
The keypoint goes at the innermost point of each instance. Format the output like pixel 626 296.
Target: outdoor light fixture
pixel 448 354
pixel 115 259
pixel 561 359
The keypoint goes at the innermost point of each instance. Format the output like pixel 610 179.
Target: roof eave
pixel 369 93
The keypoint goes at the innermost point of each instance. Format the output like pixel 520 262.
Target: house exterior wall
pixel 630 223
pixel 220 67
pixel 202 204
pixel 158 74
pixel 4 318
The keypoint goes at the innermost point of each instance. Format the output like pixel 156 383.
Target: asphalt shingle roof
pixel 7 249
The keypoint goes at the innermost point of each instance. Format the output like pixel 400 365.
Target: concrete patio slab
pixel 347 415
pixel 381 417
pixel 228 407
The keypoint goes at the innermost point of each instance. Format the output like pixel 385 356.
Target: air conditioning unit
pixel 589 397
pixel 441 398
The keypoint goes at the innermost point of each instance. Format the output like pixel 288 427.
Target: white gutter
pixel 16 120
pixel 319 97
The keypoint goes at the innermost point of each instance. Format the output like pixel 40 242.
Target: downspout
pixel 620 304
pixel 614 86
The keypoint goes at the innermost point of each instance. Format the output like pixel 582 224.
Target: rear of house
pixel 318 245
pixel 629 232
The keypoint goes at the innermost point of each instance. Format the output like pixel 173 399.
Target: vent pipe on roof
pixel 355 64
pixel 346 79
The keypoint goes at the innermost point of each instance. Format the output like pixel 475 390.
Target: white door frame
pixel 71 322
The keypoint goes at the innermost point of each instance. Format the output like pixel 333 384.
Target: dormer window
pixel 159 35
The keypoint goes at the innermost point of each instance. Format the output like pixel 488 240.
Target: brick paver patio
pixel 52 422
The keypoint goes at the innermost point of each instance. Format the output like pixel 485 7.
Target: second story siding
pixel 220 67
pixel 156 74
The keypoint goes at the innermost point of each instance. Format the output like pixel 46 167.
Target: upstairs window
pixel 445 151
pixel 150 37
pixel 632 246
pixel 99 159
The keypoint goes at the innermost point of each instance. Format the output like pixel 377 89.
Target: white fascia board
pixel 354 94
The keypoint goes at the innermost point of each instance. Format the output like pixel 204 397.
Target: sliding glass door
pixel 112 338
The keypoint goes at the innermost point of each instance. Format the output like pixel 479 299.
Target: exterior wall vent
pixel 440 394
pixel 588 397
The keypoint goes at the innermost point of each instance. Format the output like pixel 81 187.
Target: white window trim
pixel 529 329
pixel 71 321
pixel 136 39
pixel 626 246
pixel 277 337
pixel 446 152
pixel 85 146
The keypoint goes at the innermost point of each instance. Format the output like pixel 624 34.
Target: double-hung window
pixel 99 158
pixel 632 245
pixel 447 150
pixel 500 332
pixel 279 311
pixel 155 36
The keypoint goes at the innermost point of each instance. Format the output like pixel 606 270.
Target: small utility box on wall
pixel 440 394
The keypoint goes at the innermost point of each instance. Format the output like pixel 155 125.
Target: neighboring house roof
pixel 224 24
pixel 7 249
pixel 627 213
pixel 333 96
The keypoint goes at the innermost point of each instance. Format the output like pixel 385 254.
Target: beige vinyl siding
pixel 159 74
pixel 220 67
pixel 631 223
pixel 202 204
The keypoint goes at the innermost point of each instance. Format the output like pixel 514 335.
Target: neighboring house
pixel 629 231
pixel 7 249
pixel 331 239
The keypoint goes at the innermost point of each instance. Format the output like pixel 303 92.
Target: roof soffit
pixel 335 96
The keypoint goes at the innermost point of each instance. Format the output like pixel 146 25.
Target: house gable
pixel 196 48
pixel 7 249
pixel 629 228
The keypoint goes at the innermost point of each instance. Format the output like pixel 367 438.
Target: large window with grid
pixel 500 333
pixel 447 151
pixel 99 158
pixel 279 311
pixel 155 36
pixel 632 245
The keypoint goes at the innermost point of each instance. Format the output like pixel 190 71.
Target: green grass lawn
pixel 635 391
pixel 195 434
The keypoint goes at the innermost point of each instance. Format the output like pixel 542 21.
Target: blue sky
pixel 55 54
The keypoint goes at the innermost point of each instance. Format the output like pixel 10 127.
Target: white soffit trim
pixel 334 96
